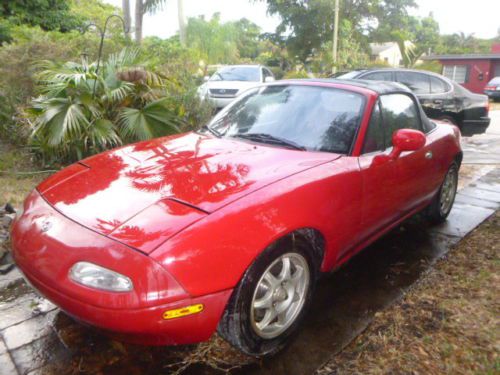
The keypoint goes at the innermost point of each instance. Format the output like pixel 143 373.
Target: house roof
pixel 377 48
pixel 473 56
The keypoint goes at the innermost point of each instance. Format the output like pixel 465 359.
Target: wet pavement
pixel 36 338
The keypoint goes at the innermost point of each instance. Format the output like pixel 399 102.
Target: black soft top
pixel 380 87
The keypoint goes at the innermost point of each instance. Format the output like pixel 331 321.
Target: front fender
pixel 213 253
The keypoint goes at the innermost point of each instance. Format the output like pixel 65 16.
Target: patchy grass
pixel 18 175
pixel 449 323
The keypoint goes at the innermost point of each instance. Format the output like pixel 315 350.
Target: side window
pixel 379 76
pixel 438 86
pixel 374 138
pixel 417 82
pixel 398 112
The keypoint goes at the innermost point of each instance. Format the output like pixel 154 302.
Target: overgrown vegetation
pixel 83 110
pixel 448 324
pixel 32 31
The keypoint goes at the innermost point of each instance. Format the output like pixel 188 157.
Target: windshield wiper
pixel 269 139
pixel 213 131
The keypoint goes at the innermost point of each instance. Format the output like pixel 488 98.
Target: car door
pixel 379 178
pixel 414 170
pixel 392 187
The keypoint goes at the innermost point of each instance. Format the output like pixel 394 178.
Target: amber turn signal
pixel 183 311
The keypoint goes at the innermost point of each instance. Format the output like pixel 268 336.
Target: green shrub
pixel 277 71
pixel 83 111
pixel 18 68
pixel 292 74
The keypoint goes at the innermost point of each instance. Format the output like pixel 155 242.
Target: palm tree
pixel 71 119
pixel 126 16
pixel 141 8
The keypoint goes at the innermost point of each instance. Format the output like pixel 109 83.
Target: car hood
pixel 144 193
pixel 239 85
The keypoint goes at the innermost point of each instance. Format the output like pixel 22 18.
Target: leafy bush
pixel 17 73
pixel 296 74
pixel 83 110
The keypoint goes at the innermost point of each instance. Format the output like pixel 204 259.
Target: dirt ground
pixel 449 323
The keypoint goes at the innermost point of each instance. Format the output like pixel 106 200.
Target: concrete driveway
pixel 36 338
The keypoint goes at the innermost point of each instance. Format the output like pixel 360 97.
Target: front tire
pixel 271 299
pixel 441 205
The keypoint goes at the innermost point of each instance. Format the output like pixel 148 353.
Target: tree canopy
pixel 48 14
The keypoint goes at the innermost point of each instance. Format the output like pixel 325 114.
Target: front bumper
pixel 144 326
pixel 45 245
pixel 472 127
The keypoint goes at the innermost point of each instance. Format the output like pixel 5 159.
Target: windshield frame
pixel 362 113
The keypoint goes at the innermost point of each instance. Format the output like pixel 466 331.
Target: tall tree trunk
pixel 182 22
pixel 139 13
pixel 126 16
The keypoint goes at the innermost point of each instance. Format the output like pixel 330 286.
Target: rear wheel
pixel 441 205
pixel 271 299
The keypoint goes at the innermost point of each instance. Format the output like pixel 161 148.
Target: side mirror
pixel 406 140
pixel 206 78
pixel 269 79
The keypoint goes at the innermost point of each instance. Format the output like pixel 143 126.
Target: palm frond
pixel 154 120
pixel 101 134
pixel 59 119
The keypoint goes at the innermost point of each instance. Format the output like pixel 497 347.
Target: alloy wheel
pixel 448 191
pixel 280 295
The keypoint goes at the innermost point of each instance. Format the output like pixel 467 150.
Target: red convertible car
pixel 228 228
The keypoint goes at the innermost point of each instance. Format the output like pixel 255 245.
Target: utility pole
pixel 335 37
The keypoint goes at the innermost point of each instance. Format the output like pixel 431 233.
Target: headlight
pixel 98 277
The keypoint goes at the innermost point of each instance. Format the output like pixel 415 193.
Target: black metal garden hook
pixel 102 33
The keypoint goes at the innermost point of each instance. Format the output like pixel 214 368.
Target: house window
pixel 457 73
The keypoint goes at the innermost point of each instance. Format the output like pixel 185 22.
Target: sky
pixel 481 17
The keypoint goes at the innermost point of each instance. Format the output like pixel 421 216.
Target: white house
pixel 388 52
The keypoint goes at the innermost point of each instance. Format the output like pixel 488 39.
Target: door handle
pixel 428 155
pixel 438 101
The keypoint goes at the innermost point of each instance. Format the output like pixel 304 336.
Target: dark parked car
pixel 441 98
pixel 492 89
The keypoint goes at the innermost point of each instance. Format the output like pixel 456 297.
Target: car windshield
pixel 494 81
pixel 237 73
pixel 298 116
